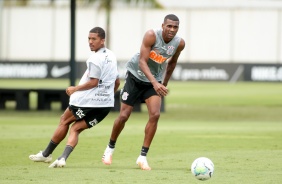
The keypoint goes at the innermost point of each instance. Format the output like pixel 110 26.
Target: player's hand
pixel 70 90
pixel 160 89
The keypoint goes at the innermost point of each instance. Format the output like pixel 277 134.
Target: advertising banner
pixel 38 70
pixel 263 72
pixel 183 71
pixel 208 72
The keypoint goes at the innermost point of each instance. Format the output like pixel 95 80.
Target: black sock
pixel 112 144
pixel 144 151
pixel 67 152
pixel 50 148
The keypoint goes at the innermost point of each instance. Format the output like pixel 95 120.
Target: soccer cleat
pixel 58 163
pixel 142 163
pixel 107 157
pixel 40 158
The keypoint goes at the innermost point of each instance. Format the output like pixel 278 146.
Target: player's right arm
pixel 148 41
pixel 93 82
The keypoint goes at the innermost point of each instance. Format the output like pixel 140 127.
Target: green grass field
pixel 238 126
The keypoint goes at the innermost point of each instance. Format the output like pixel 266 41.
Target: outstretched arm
pixel 172 62
pixel 147 43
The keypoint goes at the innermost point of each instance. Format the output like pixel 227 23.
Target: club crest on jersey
pixel 124 96
pixel 170 50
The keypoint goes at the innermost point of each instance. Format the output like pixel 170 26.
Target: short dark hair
pixel 100 31
pixel 171 17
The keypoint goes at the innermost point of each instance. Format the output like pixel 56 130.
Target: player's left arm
pixel 172 62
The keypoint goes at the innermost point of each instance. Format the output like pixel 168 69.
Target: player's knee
pixel 63 121
pixel 76 129
pixel 123 117
pixel 155 116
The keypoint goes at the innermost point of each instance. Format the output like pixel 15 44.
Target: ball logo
pixel 202 168
pixel 124 96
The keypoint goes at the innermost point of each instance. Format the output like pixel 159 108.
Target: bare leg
pixel 153 105
pixel 118 126
pixel 75 130
pixel 60 133
pixel 119 123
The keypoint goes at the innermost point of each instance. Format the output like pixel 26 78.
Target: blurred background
pixel 226 40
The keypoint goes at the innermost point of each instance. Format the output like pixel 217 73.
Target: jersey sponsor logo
pixel 140 73
pixel 94 122
pixel 163 47
pixel 79 113
pixel 124 95
pixel 101 99
pixel 104 86
pixel 101 94
pixel 158 58
pixel 170 50
pixel 107 60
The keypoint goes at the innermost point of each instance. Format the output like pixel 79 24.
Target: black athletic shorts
pixel 92 116
pixel 135 90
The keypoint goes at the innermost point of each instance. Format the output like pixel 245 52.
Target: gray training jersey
pixel 159 54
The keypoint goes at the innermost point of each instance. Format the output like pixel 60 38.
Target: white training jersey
pixel 103 66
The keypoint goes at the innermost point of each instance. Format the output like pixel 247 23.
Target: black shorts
pixel 92 116
pixel 135 90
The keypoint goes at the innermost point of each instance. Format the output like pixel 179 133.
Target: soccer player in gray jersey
pixel 146 81
pixel 90 101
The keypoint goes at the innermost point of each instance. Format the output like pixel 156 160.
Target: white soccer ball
pixel 202 168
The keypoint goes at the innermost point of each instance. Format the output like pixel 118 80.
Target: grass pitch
pixel 238 126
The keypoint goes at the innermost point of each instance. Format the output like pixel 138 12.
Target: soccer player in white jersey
pixel 146 81
pixel 90 101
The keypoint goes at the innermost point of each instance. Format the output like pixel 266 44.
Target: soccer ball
pixel 202 168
